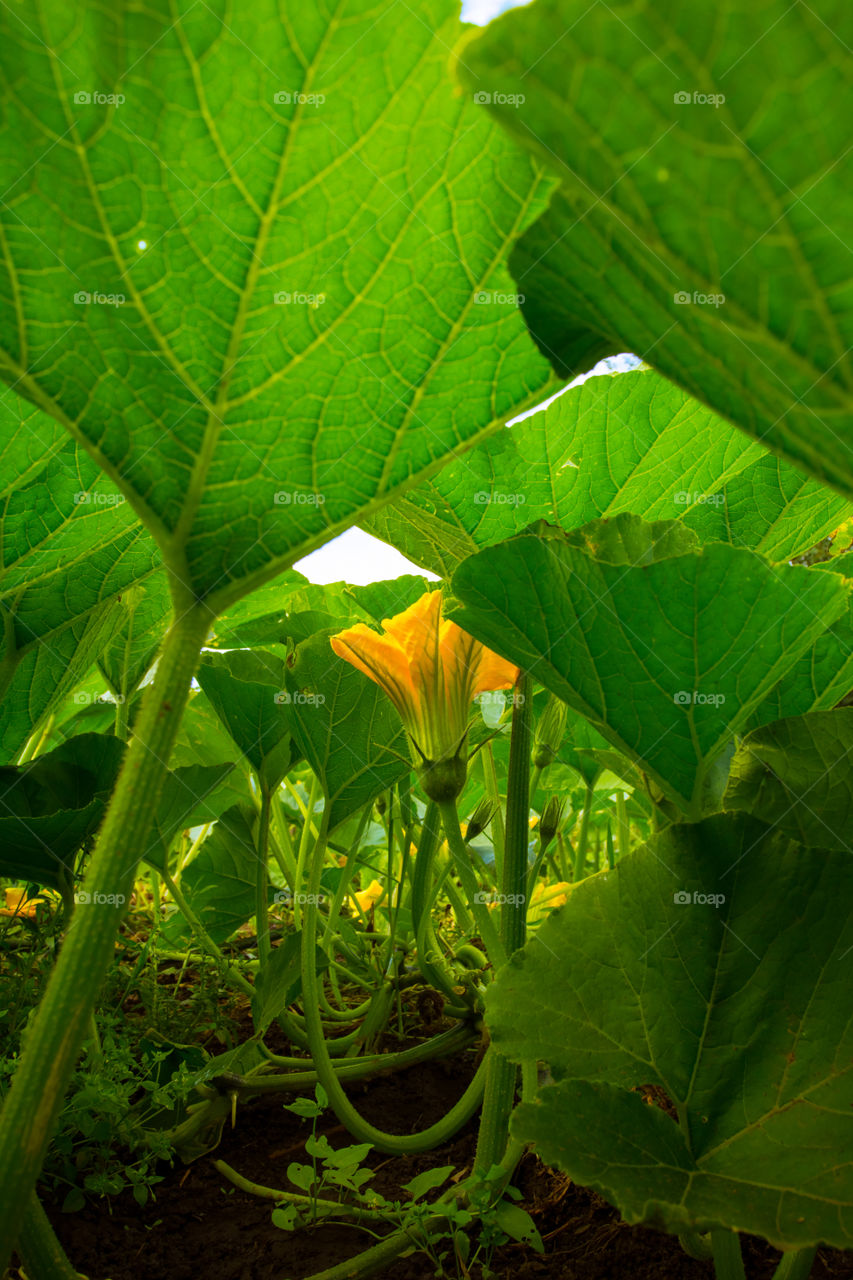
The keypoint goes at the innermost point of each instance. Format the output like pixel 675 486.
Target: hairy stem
pixel 54 1039
pixel 502 1075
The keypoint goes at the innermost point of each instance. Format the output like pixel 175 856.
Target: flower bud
pixel 480 819
pixel 549 732
pixel 552 820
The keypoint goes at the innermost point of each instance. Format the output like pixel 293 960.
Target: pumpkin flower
pixel 16 906
pixel 367 898
pixel 545 898
pixel 432 671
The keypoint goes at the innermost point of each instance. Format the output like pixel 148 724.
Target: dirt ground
pixel 202 1228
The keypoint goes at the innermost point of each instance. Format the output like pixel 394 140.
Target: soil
pixel 202 1228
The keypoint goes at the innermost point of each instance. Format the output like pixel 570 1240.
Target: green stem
pixel 330 1207
pixel 728 1260
pixel 122 717
pixel 361 1129
pixel 494 793
pixel 187 850
pixel 347 873
pixel 563 870
pixel 304 843
pixel 429 959
pixel 796 1264
pixel 444 1045
pixel 66 889
pixel 93 1040
pixel 623 827
pixel 154 882
pixel 502 1075
pixel 262 876
pixel 41 1253
pixel 203 937
pixel 486 925
pixel 375 1020
pixel 695 1245
pixel 533 874
pixel 454 897
pixel 35 743
pixel 282 845
pixel 57 1033
pixel 344 1013
pixel 381 1255
pixel 583 838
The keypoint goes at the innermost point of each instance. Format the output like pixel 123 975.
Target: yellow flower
pixel 432 671
pixel 545 898
pixel 367 898
pixel 15 905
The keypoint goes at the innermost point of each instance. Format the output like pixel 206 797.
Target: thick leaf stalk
pixel 53 1042
pixel 501 1074
pixel 41 1253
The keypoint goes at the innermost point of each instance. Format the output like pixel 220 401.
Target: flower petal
pixel 431 670
pixel 381 659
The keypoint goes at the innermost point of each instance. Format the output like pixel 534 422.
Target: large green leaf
pixel 715 963
pixel 247 621
pixel 90 709
pixel 245 688
pixel 798 774
pixel 346 727
pixel 580 749
pixel 824 674
pixel 265 314
pixel 705 200
pixel 201 738
pixel 50 806
pixel 622 442
pixel 220 880
pixel 190 796
pixel 292 609
pixel 71 548
pixel 131 651
pixel 667 653
pixel 279 980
